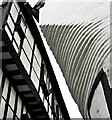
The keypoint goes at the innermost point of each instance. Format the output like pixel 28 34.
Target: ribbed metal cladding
pixel 81 50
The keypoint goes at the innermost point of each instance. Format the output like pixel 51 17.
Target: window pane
pixel 29 37
pixel 46 105
pixel 1 74
pixel 2 108
pixel 41 94
pixel 8 32
pixel 24 110
pixel 34 79
pixel 48 83
pixel 12 98
pixel 50 86
pixel 19 105
pixel 45 76
pixel 16 5
pixel 29 115
pixel 10 23
pixel 22 25
pixel 15 46
pixel 50 112
pixel 50 99
pixel 27 49
pixel 9 113
pixel 17 38
pixel 36 67
pixel 25 61
pixel 5 90
pixel 14 12
pixel 38 55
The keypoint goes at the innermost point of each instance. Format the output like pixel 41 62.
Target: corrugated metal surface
pixel 81 49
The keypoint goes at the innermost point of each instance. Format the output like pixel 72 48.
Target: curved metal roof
pixel 81 50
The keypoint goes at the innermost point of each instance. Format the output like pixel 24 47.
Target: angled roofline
pixel 27 12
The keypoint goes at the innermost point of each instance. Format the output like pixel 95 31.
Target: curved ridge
pixel 81 50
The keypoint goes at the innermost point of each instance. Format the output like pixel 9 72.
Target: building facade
pixel 29 89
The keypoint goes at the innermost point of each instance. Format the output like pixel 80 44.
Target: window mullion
pixel 32 59
pixel 7 102
pixel 15 108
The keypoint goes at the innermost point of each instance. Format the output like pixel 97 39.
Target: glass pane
pixel 45 76
pixel 25 61
pixel 29 37
pixel 16 118
pixel 29 115
pixel 16 5
pixel 46 105
pixel 36 67
pixel 17 38
pixel 24 110
pixel 14 12
pixel 60 115
pixel 22 25
pixel 10 23
pixel 38 55
pixel 5 90
pixel 15 46
pixel 34 79
pixel 2 108
pixel 12 98
pixel 19 106
pixel 50 99
pixel 1 74
pixel 41 94
pixel 27 49
pixel 50 112
pixel 9 113
pixel 48 83
pixel 8 32
pixel 50 86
